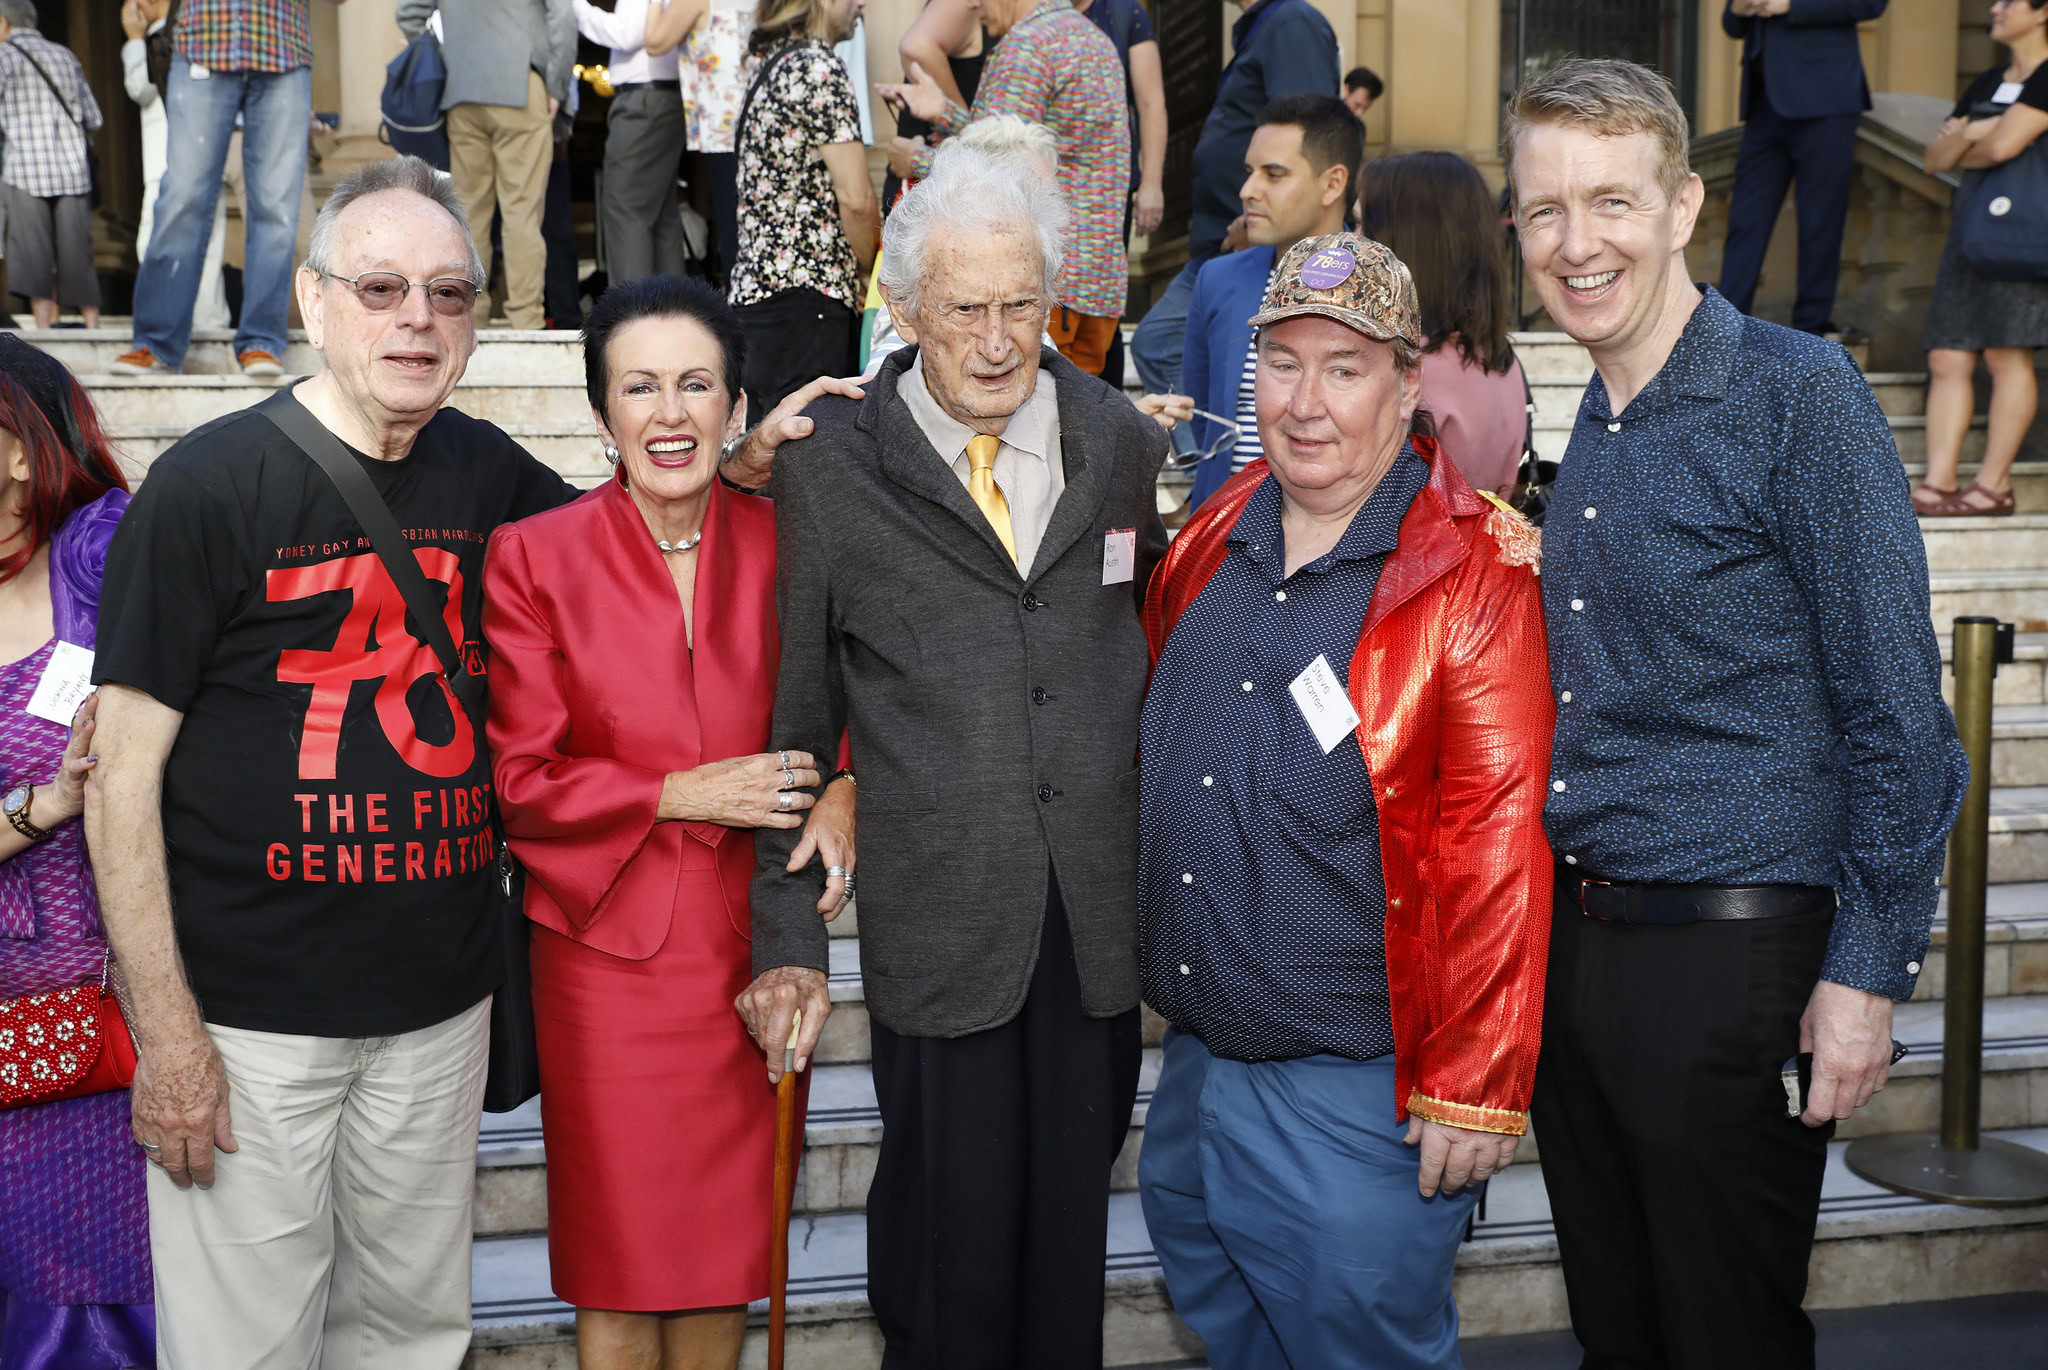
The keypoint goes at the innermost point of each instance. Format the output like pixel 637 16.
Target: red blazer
pixel 1451 681
pixel 596 696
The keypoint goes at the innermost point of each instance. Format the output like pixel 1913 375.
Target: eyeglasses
pixel 1222 442
pixel 383 291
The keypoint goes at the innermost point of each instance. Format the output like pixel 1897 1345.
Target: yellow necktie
pixel 981 484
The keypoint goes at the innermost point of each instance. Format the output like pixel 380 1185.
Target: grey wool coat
pixel 993 715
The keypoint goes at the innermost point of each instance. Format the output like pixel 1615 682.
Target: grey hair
pixel 396 173
pixel 20 14
pixel 970 189
pixel 1012 135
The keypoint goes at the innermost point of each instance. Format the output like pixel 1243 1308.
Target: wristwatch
pixel 17 803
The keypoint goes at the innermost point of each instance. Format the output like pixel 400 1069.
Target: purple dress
pixel 75 1289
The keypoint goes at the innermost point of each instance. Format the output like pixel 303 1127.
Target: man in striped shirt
pixel 1299 174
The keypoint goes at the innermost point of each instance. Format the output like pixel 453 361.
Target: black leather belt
pixel 1613 901
pixel 672 83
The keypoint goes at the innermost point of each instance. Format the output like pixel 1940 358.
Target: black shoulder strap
pixel 296 422
pixel 62 103
pixel 773 61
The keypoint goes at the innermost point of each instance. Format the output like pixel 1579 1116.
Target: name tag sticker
pixel 2007 92
pixel 1324 705
pixel 1119 556
pixel 66 681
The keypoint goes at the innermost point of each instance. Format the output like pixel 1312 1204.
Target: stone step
pixel 2025 681
pixel 168 401
pixel 2019 744
pixel 2017 597
pixel 571 448
pixel 1873 1247
pixel 1909 431
pixel 1991 543
pixel 503 353
pixel 2019 834
pixel 1899 393
pixel 843 1129
pixel 2029 478
pixel 2015 944
pixel 842 1136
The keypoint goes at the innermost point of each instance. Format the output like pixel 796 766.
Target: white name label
pixel 1324 705
pixel 66 681
pixel 1119 556
pixel 2007 92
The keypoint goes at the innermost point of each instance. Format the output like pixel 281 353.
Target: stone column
pixel 368 39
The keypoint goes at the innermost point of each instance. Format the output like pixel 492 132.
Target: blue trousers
pixel 1283 1208
pixel 1159 342
pixel 1820 154
pixel 276 109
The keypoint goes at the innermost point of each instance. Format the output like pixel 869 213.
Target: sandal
pixel 1959 504
pixel 1927 498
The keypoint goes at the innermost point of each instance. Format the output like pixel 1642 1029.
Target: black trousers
pixel 989 1212
pixel 1684 1199
pixel 794 337
pixel 1820 154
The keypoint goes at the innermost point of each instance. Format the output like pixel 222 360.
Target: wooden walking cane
pixel 785 1195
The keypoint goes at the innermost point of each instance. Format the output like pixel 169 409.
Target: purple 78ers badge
pixel 1328 269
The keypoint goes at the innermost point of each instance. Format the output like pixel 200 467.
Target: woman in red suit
pixel 633 658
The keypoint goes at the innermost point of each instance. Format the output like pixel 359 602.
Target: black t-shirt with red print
pixel 327 805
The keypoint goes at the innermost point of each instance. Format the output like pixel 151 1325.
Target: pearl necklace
pixel 686 545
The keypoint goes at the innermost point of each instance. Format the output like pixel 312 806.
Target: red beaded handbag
pixel 63 1044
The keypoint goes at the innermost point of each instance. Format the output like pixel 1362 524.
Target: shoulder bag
pixel 92 159
pixel 2002 213
pixel 514 1073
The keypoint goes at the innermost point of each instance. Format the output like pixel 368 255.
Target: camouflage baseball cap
pixel 1347 277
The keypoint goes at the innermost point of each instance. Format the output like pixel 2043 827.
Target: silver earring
pixel 611 454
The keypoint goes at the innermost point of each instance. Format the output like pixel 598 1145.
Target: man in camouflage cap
pixel 1343 883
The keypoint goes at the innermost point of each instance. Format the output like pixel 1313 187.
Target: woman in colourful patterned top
pixel 75 1283
pixel 1053 67
pixel 809 225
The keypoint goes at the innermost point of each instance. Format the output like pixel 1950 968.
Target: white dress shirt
pixel 1029 469
pixel 624 31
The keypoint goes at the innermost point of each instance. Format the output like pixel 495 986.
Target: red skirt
pixel 658 1116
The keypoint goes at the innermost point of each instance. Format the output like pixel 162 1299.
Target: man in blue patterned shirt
pixel 1753 773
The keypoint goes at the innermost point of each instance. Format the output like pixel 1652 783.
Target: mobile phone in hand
pixel 1796 1075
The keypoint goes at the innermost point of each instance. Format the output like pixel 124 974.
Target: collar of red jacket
pixel 1436 536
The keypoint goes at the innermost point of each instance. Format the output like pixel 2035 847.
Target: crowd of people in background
pixel 962 615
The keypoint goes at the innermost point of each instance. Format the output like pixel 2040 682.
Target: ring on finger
pixel 784 800
pixel 788 778
pixel 784 758
pixel 148 1146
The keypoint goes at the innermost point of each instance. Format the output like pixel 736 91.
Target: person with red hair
pixel 72 1294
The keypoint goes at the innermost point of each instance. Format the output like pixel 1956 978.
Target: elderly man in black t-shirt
pixel 279 760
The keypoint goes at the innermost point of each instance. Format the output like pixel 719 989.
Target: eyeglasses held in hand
pixel 1222 442
pixel 383 291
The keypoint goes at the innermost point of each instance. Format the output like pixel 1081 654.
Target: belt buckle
pixel 1586 882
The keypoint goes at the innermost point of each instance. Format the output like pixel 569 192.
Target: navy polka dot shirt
pixel 1748 683
pixel 1260 894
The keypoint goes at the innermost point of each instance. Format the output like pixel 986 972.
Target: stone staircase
pixel 1875 1247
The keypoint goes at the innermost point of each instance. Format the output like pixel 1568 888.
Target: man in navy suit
pixel 1803 91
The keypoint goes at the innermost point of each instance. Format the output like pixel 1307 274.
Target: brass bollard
pixel 1957 1165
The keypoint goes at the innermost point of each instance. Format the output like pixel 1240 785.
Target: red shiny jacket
pixel 1452 687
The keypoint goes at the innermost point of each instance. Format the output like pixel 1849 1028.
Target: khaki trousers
pixel 338 1236
pixel 499 159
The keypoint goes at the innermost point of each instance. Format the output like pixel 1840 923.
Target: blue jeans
pixel 1159 341
pixel 276 110
pixel 1282 1205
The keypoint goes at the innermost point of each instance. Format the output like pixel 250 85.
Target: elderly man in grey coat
pixel 962 556
pixel 509 65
